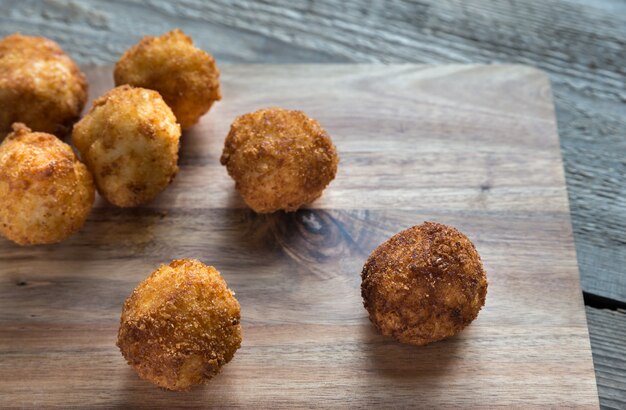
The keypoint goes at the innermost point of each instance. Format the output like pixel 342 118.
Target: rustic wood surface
pixel 608 342
pixel 578 43
pixel 472 146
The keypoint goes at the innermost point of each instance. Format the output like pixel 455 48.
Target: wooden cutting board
pixel 471 146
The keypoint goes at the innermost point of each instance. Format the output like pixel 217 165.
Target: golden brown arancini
pixel 424 284
pixel 40 85
pixel 180 325
pixel 279 159
pixel 186 77
pixel 129 141
pixel 45 192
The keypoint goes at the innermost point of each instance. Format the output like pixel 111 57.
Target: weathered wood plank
pixel 607 329
pixel 307 339
pixel 580 44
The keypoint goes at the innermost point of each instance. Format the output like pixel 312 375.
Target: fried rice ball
pixel 186 77
pixel 180 325
pixel 39 85
pixel 129 140
pixel 279 159
pixel 424 284
pixel 45 192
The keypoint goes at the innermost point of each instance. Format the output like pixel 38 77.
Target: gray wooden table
pixel 580 44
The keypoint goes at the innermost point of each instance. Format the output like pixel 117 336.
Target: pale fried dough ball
pixel 424 284
pixel 45 192
pixel 186 77
pixel 279 159
pixel 180 325
pixel 129 141
pixel 40 85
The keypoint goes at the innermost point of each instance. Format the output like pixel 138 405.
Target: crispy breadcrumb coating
pixel 129 140
pixel 186 77
pixel 180 325
pixel 45 192
pixel 40 85
pixel 279 159
pixel 424 284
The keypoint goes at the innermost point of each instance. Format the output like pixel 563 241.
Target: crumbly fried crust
pixel 279 159
pixel 186 77
pixel 424 284
pixel 39 85
pixel 129 140
pixel 180 325
pixel 45 192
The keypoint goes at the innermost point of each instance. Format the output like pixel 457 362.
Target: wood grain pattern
pixel 471 146
pixel 579 43
pixel 607 329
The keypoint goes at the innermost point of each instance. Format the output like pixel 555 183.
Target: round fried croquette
pixel 40 85
pixel 279 159
pixel 129 140
pixel 45 192
pixel 424 284
pixel 186 77
pixel 180 325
